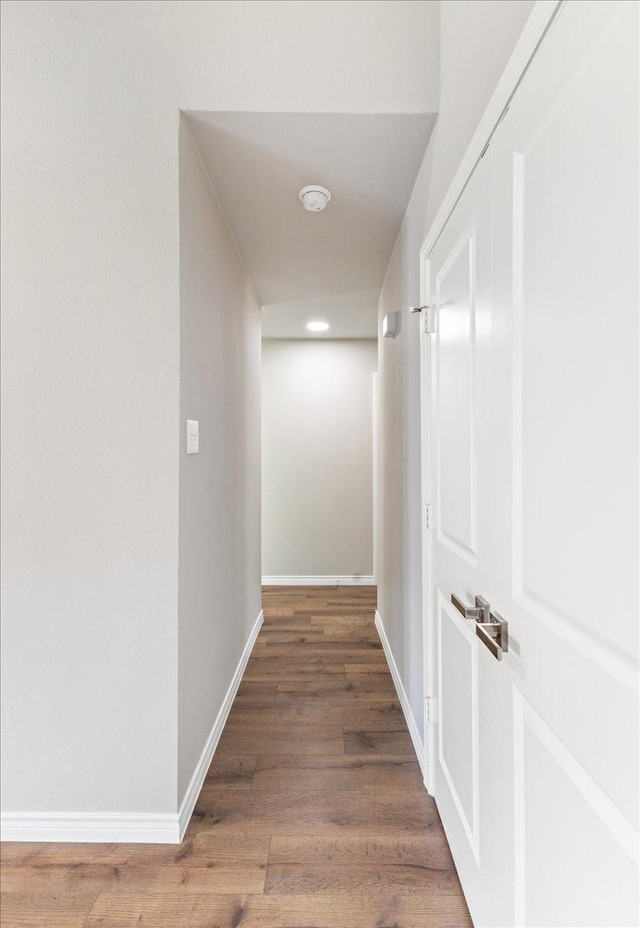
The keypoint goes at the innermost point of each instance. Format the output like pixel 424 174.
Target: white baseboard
pixel 133 828
pixel 193 790
pixel 322 580
pixel 402 695
pixel 91 827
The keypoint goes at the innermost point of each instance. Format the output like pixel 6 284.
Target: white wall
pixel 477 38
pixel 219 592
pixel 317 457
pixel 91 350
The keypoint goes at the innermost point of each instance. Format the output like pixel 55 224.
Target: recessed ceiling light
pixel 317 326
pixel 314 197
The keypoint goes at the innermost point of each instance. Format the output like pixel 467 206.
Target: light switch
pixel 193 436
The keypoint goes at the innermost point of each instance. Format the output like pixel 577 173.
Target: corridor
pixel 313 811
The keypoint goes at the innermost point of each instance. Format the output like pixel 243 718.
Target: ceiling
pixel 304 265
pixel 346 319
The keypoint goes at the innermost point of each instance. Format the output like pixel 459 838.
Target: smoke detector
pixel 314 197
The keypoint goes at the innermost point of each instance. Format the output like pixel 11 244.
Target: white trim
pixel 321 580
pixel 133 828
pixel 541 18
pixel 402 695
pixel 102 827
pixel 193 790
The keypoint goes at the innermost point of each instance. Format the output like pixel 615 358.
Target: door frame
pixel 542 17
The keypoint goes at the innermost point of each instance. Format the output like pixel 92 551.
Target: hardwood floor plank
pixel 198 851
pixel 355 612
pixel 343 622
pixel 232 771
pixel 360 635
pixel 371 879
pixel 282 670
pixel 352 687
pixel 140 910
pixel 346 700
pixel 256 693
pixel 377 742
pixel 290 772
pixel 388 716
pixel 281 740
pixel 299 635
pixel 290 626
pixel 31 910
pixel 370 666
pixel 85 879
pixel 321 652
pixel 369 681
pixel 343 851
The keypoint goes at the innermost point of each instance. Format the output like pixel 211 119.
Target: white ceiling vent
pixel 314 198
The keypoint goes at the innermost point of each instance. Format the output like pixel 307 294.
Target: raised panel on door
pixel 456 510
pixel 458 731
pixel 590 837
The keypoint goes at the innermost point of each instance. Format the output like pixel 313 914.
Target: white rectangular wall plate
pixel 193 436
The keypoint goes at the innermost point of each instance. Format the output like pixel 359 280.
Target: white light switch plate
pixel 193 436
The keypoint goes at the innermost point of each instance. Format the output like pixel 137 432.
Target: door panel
pixel 458 742
pixel 589 837
pixel 455 396
pixel 534 478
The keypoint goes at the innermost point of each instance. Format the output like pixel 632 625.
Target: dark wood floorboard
pixel 312 814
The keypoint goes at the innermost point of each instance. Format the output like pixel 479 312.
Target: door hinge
pixel 426 318
pixel 431 710
pixel 427 515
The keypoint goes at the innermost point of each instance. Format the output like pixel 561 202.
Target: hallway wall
pixel 91 351
pixel 477 38
pixel 317 457
pixel 219 596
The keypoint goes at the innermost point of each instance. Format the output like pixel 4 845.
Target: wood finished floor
pixel 312 815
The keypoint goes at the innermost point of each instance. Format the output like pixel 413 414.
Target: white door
pixel 463 481
pixel 534 488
